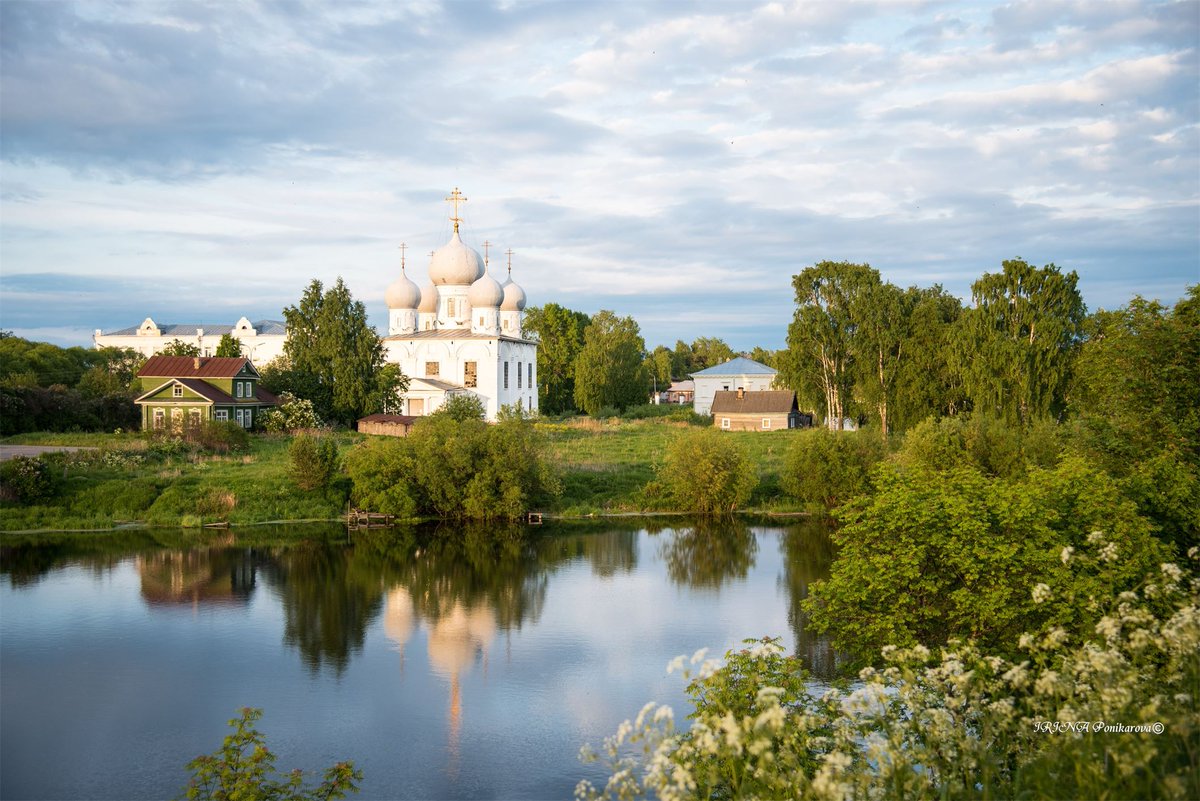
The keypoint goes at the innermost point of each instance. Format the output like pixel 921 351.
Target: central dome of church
pixel 455 264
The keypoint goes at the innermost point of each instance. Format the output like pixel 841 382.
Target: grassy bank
pixel 609 466
pixel 606 467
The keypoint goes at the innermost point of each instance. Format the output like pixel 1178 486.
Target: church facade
pixel 461 334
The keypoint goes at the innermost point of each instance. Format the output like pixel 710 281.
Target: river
pixel 447 662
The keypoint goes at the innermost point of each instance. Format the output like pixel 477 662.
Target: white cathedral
pixel 461 333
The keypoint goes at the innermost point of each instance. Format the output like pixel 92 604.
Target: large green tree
pixel 1135 399
pixel 177 347
pixel 658 366
pixel 819 363
pixel 609 370
pixel 229 346
pixel 1019 341
pixel 560 335
pixel 928 383
pixel 334 358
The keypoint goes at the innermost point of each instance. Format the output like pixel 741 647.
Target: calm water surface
pixel 452 663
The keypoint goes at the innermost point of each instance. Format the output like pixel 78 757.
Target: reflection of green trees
pixel 808 555
pixel 329 598
pixel 709 553
pixel 609 551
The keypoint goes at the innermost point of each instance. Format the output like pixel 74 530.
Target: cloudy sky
pixel 678 162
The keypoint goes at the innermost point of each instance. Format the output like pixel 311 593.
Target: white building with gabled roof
pixel 461 333
pixel 736 374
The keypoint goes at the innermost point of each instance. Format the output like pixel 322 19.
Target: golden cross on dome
pixel 456 197
pixel 486 245
pixel 509 254
pixel 403 247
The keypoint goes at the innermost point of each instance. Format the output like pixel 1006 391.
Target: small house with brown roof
pixel 762 410
pixel 193 389
pixel 387 425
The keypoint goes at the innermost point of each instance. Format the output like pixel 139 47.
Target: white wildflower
pixel 1025 641
pixel 1055 637
pixel 1066 554
pixel 1046 683
pixel 1194 552
pixel 699 655
pixel 769 695
pixel 709 667
pixel 1109 552
pixel 1096 538
pixel 1041 593
pixel 1108 627
pixel 675 664
pixel 1171 571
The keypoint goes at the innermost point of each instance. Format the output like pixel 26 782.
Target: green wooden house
pixel 179 390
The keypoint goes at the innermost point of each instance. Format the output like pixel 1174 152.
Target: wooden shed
pixel 762 410
pixel 386 425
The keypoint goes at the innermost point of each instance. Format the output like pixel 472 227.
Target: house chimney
pixel 196 362
pixel 741 393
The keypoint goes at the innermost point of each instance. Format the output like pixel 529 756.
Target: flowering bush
pixel 1107 713
pixel 27 479
pixel 292 414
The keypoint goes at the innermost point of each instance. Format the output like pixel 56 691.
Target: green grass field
pixel 605 468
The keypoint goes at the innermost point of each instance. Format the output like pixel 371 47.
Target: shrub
pixel 939 554
pixel 220 436
pixel 707 472
pixel 244 768
pixel 825 468
pixel 28 480
pixel 381 471
pixel 292 414
pixel 314 461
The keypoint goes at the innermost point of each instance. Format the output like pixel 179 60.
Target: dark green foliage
pixel 32 408
pixel 1017 345
pixel 826 468
pixel 381 470
pixel 988 444
pixel 27 480
pixel 950 552
pixel 333 357
pixel 461 408
pixel 1136 403
pixel 243 769
pixel 454 465
pixel 314 461
pixel 707 472
pixel 709 553
pixel 229 346
pixel 559 332
pixel 610 369
pixel 177 347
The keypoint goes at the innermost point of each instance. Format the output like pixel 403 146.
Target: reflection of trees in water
pixel 808 555
pixel 26 563
pixel 709 553
pixel 609 551
pixel 198 576
pixel 328 599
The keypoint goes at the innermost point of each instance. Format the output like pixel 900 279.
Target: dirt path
pixel 9 451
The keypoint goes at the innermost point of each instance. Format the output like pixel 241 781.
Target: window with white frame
pixel 724 422
pixel 160 418
pixel 529 373
pixel 177 391
pixel 506 375
pixel 518 376
pixel 221 414
pixel 766 422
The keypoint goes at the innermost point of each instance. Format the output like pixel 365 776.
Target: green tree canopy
pixel 177 347
pixel 560 334
pixel 819 364
pixel 334 358
pixel 609 370
pixel 1018 342
pixel 229 346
